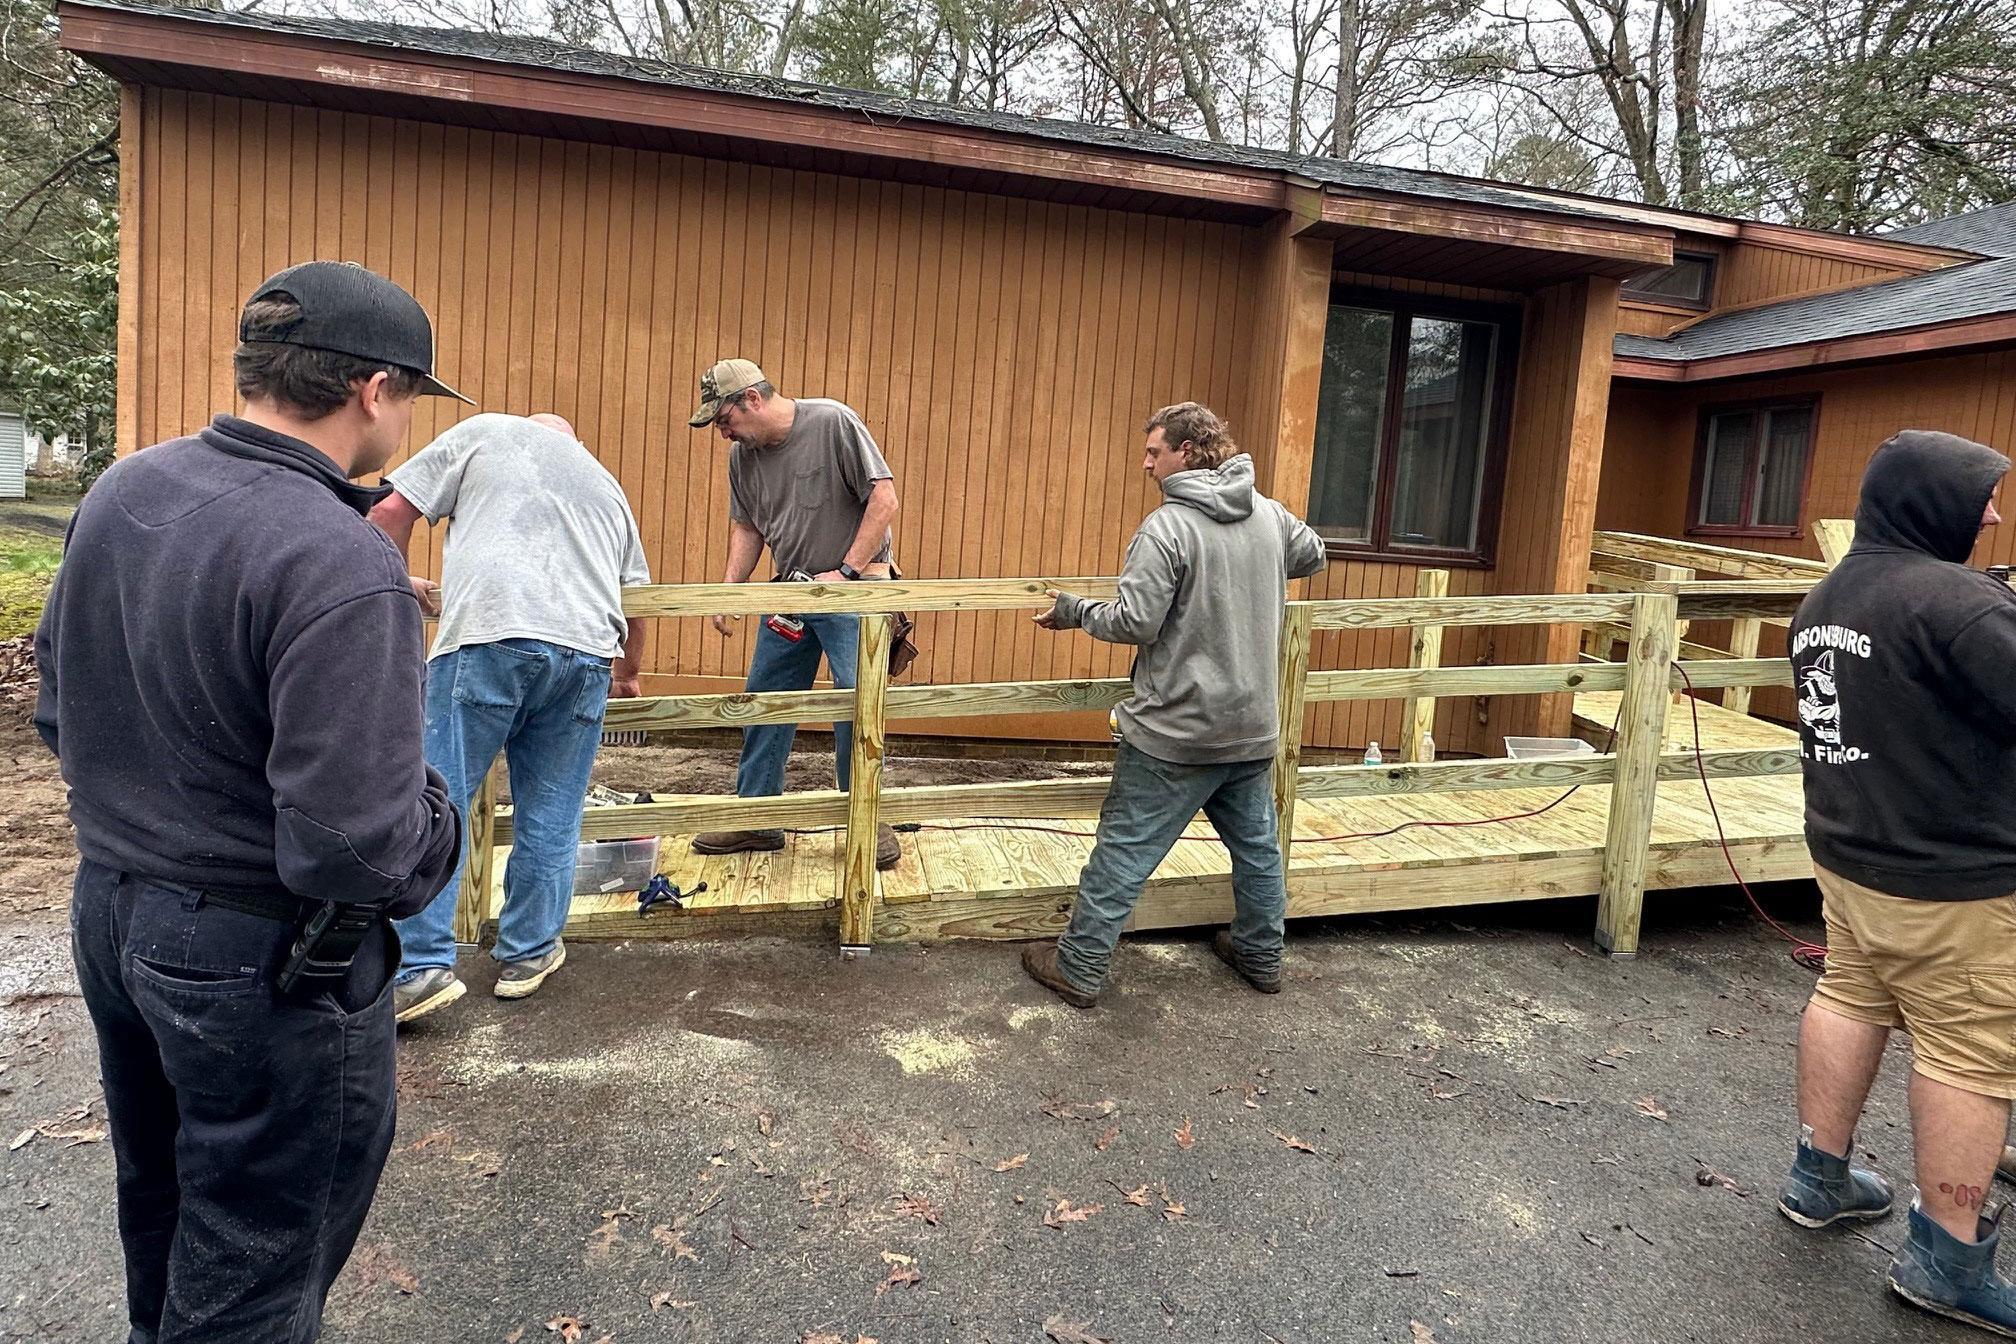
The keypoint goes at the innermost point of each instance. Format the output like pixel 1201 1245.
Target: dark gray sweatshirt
pixel 231 675
pixel 1201 593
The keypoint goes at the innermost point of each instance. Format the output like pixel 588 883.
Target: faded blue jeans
pixel 541 705
pixel 780 665
pixel 1150 803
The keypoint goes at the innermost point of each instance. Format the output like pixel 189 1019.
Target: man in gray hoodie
pixel 1201 596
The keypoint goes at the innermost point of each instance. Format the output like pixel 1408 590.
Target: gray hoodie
pixel 1201 593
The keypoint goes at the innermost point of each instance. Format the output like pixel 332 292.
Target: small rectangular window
pixel 1688 283
pixel 1750 470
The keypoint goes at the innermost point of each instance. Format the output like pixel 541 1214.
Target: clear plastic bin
pixel 602 866
pixel 1540 748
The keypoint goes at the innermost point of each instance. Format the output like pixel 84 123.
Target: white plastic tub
pixel 1540 748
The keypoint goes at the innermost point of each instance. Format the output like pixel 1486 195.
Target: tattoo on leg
pixel 1965 1196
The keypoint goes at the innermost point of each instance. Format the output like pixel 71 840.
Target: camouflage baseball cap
pixel 721 382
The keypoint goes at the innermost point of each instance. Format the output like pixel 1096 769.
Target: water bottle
pixel 1372 756
pixel 1427 747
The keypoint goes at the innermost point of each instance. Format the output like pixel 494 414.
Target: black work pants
pixel 249 1127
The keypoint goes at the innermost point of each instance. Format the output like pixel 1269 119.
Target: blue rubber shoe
pixel 1954 1278
pixel 1823 1188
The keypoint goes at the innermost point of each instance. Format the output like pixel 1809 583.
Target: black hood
pixel 1925 491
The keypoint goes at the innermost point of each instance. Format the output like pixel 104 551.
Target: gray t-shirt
pixel 542 543
pixel 807 494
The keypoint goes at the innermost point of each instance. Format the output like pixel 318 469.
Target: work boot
pixel 1823 1188
pixel 1040 960
pixel 1265 982
pixel 737 842
pixel 888 849
pixel 519 979
pixel 1941 1273
pixel 418 993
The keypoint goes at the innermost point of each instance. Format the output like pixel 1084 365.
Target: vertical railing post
pixel 472 901
pixel 1744 632
pixel 1641 735
pixel 1294 677
pixel 1418 713
pixel 864 786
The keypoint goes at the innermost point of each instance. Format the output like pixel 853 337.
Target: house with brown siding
pixel 1442 373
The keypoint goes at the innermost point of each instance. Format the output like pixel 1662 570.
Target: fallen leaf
pixel 1438 1094
pixel 405 1280
pixel 674 1240
pixel 21 1140
pixel 1725 1033
pixel 1171 1210
pixel 1423 1334
pixel 1707 1175
pixel 1015 1163
pixel 87 1134
pixel 898 1258
pixel 1651 1107
pixel 1081 1110
pixel 766 1122
pixel 515 1336
pixel 483 1164
pixel 1105 1140
pixel 1251 1092
pixel 1562 1103
pixel 440 1138
pixel 1065 1213
pixel 568 1328
pixel 1072 1332
pixel 820 1337
pixel 602 1238
pixel 900 1276
pixel 1186 1139
pixel 665 1299
pixel 1138 1197
pixel 1291 1141
pixel 1595 1241
pixel 816 1193
pixel 917 1206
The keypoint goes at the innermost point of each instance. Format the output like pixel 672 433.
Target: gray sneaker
pixel 520 979
pixel 421 992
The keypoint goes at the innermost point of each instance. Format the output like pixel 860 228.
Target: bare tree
pixel 1394 56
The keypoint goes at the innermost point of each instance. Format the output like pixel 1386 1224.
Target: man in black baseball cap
pixel 231 673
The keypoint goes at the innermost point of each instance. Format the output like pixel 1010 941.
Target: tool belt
pixel 327 935
pixel 902 641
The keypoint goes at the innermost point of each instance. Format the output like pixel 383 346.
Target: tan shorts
pixel 1943 970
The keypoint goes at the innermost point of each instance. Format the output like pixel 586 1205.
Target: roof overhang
pixel 1953 337
pixel 1422 236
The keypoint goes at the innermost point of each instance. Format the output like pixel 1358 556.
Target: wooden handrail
pixel 1638 764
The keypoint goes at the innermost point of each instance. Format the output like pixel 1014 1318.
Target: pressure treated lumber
pixel 480 860
pixel 1385 612
pixel 692 812
pixel 1417 716
pixel 861 599
pixel 1292 682
pixel 1700 556
pixel 1835 536
pixel 857 880
pixel 1621 895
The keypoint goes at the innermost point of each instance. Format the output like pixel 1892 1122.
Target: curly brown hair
pixel 1196 429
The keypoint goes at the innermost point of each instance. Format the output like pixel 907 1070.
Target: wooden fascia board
pixel 1842 247
pixel 1944 336
pixel 1646 246
pixel 456 80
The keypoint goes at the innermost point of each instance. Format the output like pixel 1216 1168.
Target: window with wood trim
pixel 1688 283
pixel 1410 428
pixel 1750 468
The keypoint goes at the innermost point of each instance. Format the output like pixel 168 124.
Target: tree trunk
pixel 1344 117
pixel 1690 25
pixel 787 35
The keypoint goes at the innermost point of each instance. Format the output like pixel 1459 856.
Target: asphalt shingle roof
pixel 546 54
pixel 1971 289
pixel 1991 231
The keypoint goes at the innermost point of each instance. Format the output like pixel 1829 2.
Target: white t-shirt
pixel 542 542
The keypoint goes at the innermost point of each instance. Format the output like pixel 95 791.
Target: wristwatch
pixel 848 572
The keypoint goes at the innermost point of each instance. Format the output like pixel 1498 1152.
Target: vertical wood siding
pixel 1004 352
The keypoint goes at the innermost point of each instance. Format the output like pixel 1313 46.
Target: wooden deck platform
pixel 1002 878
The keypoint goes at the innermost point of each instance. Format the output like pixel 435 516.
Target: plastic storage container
pixel 1539 748
pixel 614 865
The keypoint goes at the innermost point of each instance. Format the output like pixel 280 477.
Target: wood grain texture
pixel 1417 717
pixel 1291 686
pixel 479 859
pixel 857 876
pixel 1640 732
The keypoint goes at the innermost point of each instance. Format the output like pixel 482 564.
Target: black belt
pixel 285 907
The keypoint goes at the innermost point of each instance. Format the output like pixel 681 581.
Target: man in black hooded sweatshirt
pixel 1904 661
pixel 231 668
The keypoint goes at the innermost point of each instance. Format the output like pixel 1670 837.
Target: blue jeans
pixel 1150 803
pixel 780 665
pixel 541 705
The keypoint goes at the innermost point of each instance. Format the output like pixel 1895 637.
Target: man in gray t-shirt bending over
pixel 805 479
pixel 532 643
